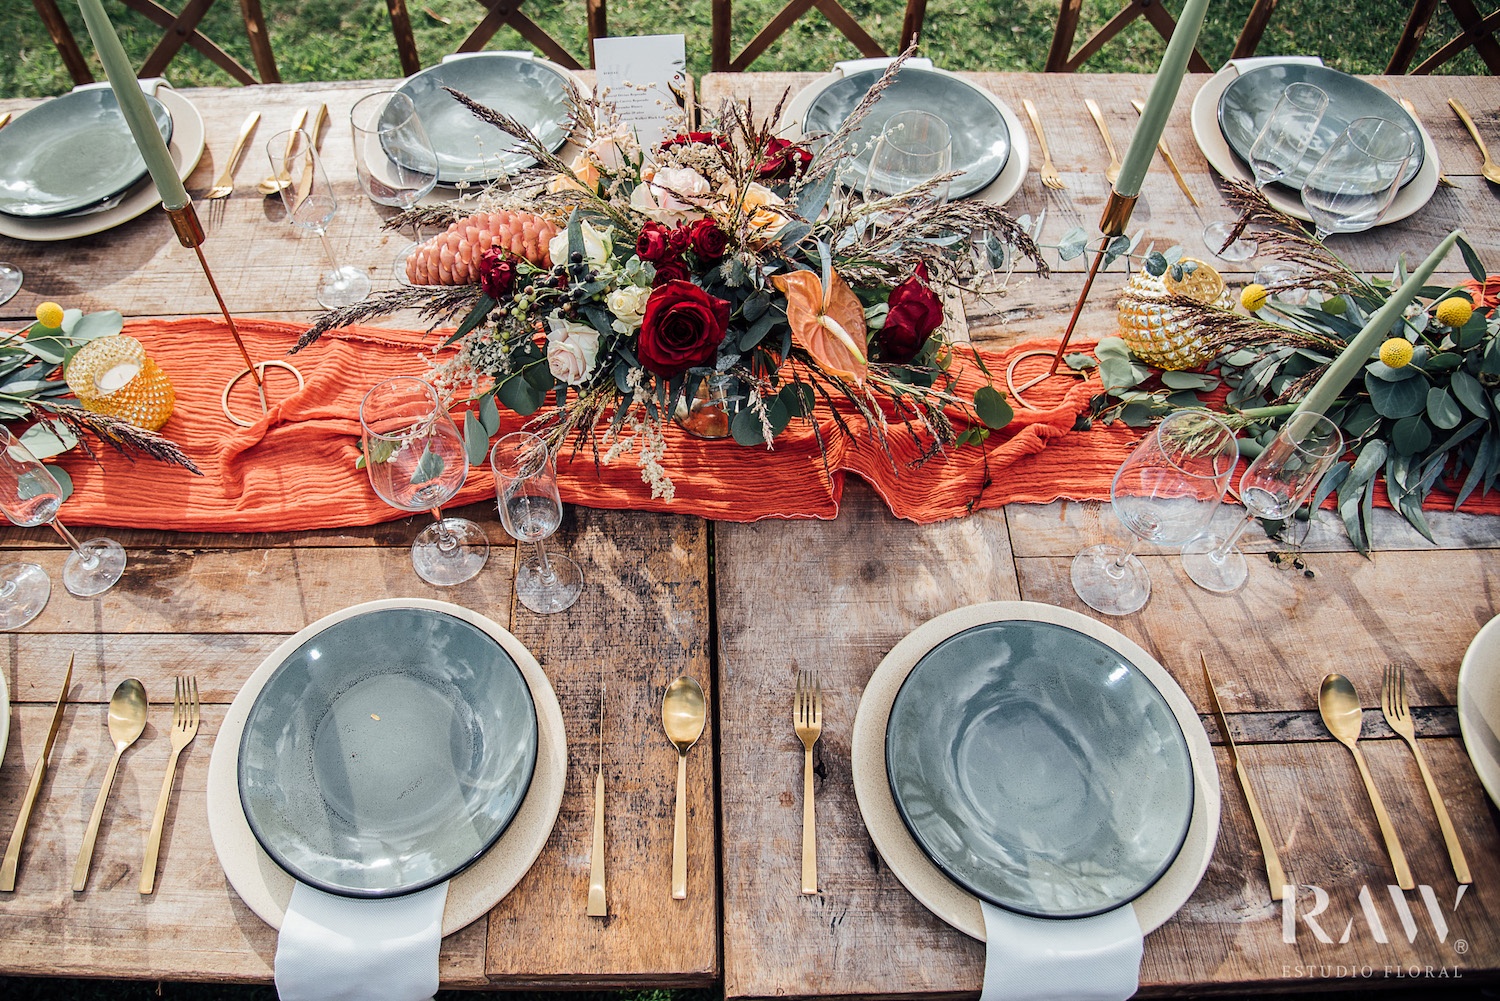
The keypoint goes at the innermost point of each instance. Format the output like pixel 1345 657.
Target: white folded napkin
pixel 1083 959
pixel 849 67
pixel 335 948
pixel 150 84
pixel 1243 66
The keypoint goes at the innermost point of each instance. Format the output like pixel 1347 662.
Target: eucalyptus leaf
pixel 1470 393
pixel 992 407
pixel 474 318
pixel 1442 409
pixel 429 467
pixel 48 438
pixel 1189 380
pixel 489 414
pixel 520 395
pixel 90 326
pixel 1155 264
pixel 1397 399
pixel 64 480
pixel 1385 373
pixel 1472 261
pixel 1410 435
pixel 1489 450
pixel 746 428
pixel 1072 244
pixel 1367 463
pixel 476 440
pixel 799 398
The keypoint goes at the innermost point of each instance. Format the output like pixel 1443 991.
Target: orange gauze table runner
pixel 294 469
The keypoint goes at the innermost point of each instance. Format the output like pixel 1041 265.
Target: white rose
pixel 572 350
pixel 670 194
pixel 598 244
pixel 628 304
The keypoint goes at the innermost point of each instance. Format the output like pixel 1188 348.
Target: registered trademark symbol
pixel 1460 946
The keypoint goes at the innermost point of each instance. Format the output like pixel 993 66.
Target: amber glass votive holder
pixel 113 376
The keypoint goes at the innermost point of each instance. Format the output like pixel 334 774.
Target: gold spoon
pixel 1338 704
pixel 683 712
pixel 127 718
pixel 1490 170
pixel 273 183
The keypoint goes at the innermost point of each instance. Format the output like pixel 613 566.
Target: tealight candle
pixel 117 377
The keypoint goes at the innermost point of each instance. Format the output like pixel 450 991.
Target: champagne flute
pixel 310 205
pixel 1277 483
pixel 10 281
pixel 1354 183
pixel 1278 148
pixel 393 157
pixel 526 490
pixel 913 148
pixel 1165 492
pixel 416 460
pixel 30 495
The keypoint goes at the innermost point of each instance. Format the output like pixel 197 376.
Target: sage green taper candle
pixel 1163 95
pixel 1354 357
pixel 133 105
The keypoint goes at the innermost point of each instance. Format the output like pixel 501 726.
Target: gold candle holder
pixel 113 376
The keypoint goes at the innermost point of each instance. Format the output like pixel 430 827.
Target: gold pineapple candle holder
pixel 113 376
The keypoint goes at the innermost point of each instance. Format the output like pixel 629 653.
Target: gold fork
pixel 1050 177
pixel 184 729
pixel 807 717
pixel 1393 704
pixel 1112 172
pixel 224 186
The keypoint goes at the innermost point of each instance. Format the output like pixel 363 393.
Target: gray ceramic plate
pixel 71 153
pixel 1039 769
pixel 387 753
pixel 981 140
pixel 1247 102
pixel 528 90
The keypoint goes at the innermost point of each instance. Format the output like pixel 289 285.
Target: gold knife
pixel 305 182
pixel 13 850
pixel 1274 874
pixel 4 120
pixel 1411 109
pixel 598 908
pixel 1166 154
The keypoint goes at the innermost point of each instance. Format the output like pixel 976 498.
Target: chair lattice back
pixel 1477 31
pixel 178 30
pixel 1062 58
pixel 721 55
pixel 499 14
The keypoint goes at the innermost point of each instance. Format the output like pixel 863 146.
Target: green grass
pixel 339 40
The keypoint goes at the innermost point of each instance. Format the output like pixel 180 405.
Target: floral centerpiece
pixel 726 266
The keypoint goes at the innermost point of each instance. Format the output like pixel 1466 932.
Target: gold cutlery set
pixel 1339 706
pixel 128 713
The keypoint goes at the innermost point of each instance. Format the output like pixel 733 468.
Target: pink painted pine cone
pixel 452 257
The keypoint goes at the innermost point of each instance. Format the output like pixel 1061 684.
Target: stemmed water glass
pixel 1165 492
pixel 310 205
pixel 1354 183
pixel 1277 483
pixel 530 508
pixel 393 157
pixel 1278 149
pixel 30 496
pixel 417 462
pixel 913 148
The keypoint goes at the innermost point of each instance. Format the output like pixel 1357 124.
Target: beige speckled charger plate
pixel 266 888
pixel 872 787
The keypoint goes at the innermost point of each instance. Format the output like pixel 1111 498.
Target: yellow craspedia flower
pixel 1254 296
pixel 1396 352
pixel 1455 311
pixel 49 314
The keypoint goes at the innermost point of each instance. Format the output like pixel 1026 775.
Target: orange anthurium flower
pixel 828 323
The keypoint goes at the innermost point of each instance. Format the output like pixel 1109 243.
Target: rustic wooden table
pixel 742 607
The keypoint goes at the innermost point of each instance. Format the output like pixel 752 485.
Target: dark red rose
pixel 784 159
pixel 674 270
pixel 707 240
pixel 655 243
pixel 681 329
pixel 701 138
pixel 915 312
pixel 680 240
pixel 497 272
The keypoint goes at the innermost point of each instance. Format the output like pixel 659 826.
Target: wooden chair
pixel 499 13
pixel 180 29
pixel 1059 59
pixel 1478 31
pixel 721 61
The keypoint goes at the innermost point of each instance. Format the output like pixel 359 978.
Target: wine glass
pixel 526 490
pixel 416 460
pixel 1278 149
pixel 10 281
pixel 395 161
pixel 1165 492
pixel 1354 183
pixel 1277 483
pixel 310 205
pixel 30 495
pixel 913 148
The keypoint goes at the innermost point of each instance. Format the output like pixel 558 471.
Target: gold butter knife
pixel 1166 154
pixel 1274 875
pixel 17 836
pixel 305 182
pixel 598 908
